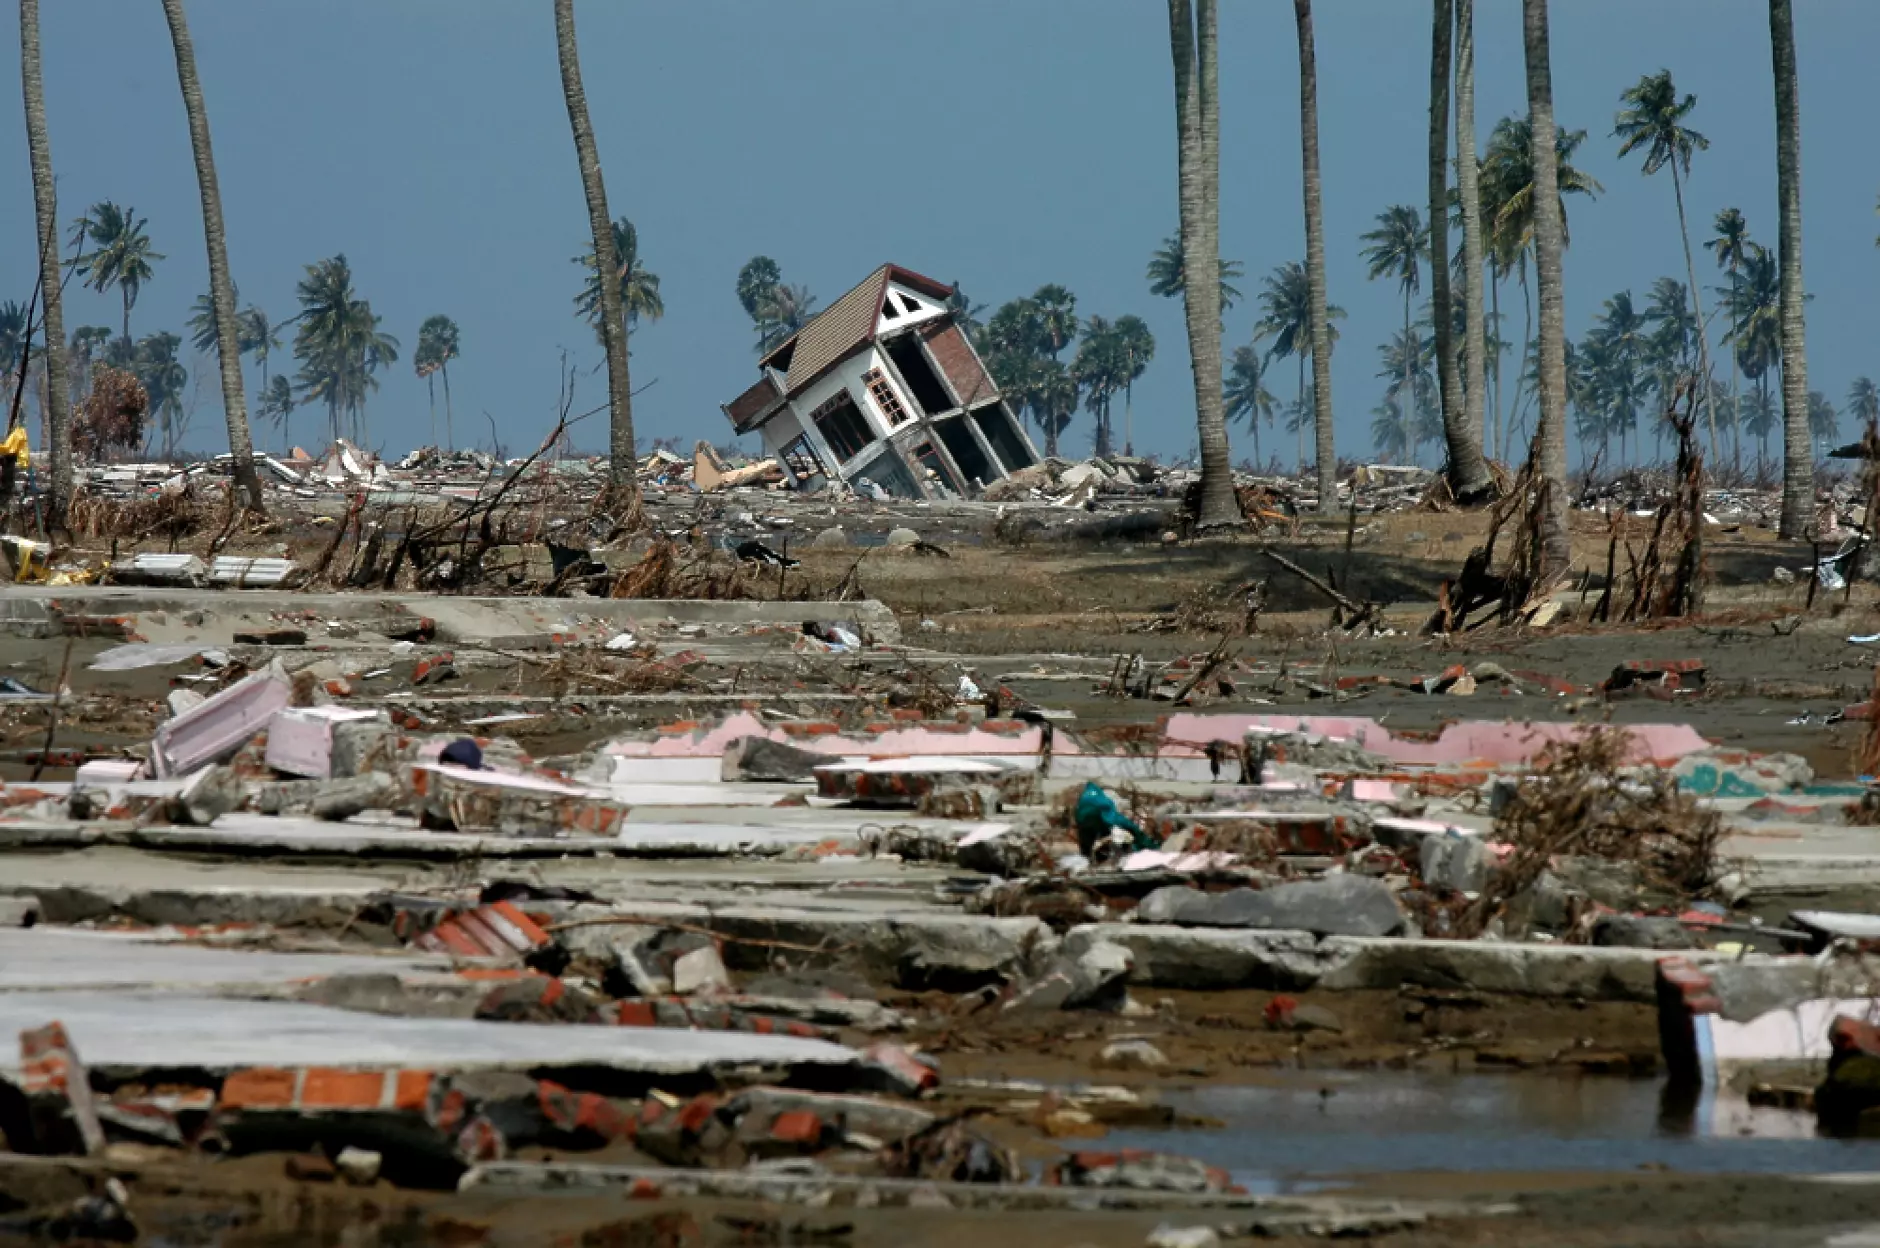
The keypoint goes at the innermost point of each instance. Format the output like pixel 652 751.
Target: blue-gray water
pixel 1283 1135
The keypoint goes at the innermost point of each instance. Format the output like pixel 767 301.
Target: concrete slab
pixel 43 959
pixel 157 1031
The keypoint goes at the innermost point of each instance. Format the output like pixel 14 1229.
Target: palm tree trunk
pixel 623 485
pixel 450 433
pixel 1697 306
pixel 1192 45
pixel 58 406
pixel 1299 414
pixel 1411 349
pixel 1319 324
pixel 221 289
pixel 1798 461
pixel 1736 402
pixel 1468 190
pixel 430 385
pixel 1494 293
pixel 1467 473
pixel 125 293
pixel 1556 548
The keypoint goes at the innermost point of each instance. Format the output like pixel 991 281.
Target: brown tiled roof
pixel 835 332
pixel 753 403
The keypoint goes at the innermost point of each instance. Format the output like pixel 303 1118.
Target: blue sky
pixel 999 144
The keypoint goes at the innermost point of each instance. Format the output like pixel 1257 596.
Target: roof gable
pixel 849 323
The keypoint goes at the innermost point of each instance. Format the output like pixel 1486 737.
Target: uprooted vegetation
pixel 1586 800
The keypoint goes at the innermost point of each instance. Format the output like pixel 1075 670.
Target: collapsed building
pixel 883 388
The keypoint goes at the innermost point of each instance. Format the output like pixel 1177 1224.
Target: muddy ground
pixel 1044 619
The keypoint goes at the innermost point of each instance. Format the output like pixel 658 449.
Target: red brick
pixel 797 1126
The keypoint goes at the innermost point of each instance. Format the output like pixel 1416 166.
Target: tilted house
pixel 883 384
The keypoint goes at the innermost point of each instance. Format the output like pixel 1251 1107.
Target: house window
pixel 889 308
pixel 885 398
pixel 843 427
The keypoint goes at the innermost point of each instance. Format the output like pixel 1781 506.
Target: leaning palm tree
pixel 1475 351
pixel 1397 248
pixel 1653 120
pixel 1244 393
pixel 1798 464
pixel 46 216
pixel 221 286
pixel 639 289
pixel 1731 246
pixel 1318 311
pixel 623 479
pixel 437 347
pixel 1192 44
pixel 121 256
pixel 1167 278
pixel 1549 240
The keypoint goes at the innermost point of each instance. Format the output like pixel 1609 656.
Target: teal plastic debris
pixel 1097 815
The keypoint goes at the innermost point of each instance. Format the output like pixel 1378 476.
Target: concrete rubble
pixel 750 897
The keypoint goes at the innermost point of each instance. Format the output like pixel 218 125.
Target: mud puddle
pixel 1300 1131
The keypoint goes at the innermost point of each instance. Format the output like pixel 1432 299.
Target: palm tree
pixel 1760 419
pixel 258 337
pixel 1465 467
pixel 1136 347
pixel 87 342
pixel 1286 317
pixel 639 289
pixel 163 377
pixel 437 347
pixel 46 217
pixel 1318 311
pixel 276 403
pixel 1390 432
pixel 1670 348
pixel 1057 317
pixel 759 277
pixel 120 254
pixel 1798 464
pixel 1475 349
pixel 1397 248
pixel 1101 369
pixel 1621 343
pixel 1053 391
pixel 1193 26
pixel 1753 303
pixel 785 310
pixel 1731 246
pixel 1824 423
pixel 1653 119
pixel 1244 394
pixel 623 463
pixel 338 343
pixel 1404 361
pixel 1166 277
pixel 1863 401
pixel 1507 178
pixel 14 338
pixel 969 316
pixel 221 285
pixel 1549 234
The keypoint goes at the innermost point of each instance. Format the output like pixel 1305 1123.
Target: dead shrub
pixel 167 516
pixel 111 419
pixel 665 571
pixel 1584 801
